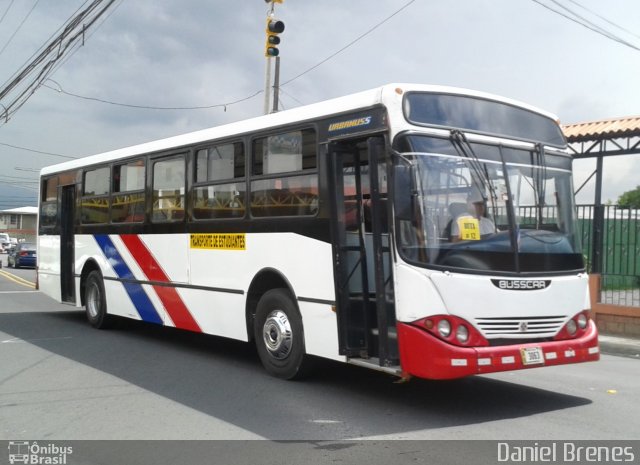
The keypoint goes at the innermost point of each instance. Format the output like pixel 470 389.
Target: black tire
pixel 96 301
pixel 279 335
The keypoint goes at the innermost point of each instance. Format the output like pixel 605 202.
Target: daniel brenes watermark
pixel 565 452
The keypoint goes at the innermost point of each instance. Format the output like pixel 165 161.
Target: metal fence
pixel 611 243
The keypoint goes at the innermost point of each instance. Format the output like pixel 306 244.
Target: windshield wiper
pixel 464 149
pixel 540 180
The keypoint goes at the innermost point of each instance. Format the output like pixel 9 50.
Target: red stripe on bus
pixel 173 303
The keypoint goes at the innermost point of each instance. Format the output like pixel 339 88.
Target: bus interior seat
pixel 456 209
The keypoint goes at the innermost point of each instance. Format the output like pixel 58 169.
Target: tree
pixel 630 199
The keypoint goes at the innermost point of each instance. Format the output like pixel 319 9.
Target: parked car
pixel 23 254
pixel 5 242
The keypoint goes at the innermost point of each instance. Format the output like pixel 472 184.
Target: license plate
pixel 532 355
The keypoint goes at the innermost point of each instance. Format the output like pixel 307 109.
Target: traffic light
pixel 274 27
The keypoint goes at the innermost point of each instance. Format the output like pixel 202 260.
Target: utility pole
pixel 273 29
pixel 276 86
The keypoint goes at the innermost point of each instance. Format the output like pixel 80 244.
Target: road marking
pixel 17 279
pixel 19 292
pixel 17 340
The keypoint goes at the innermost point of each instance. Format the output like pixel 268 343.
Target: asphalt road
pixel 61 379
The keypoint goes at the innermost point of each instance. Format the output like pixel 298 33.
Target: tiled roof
pixel 593 130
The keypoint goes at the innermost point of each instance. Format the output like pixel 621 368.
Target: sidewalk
pixel 617 345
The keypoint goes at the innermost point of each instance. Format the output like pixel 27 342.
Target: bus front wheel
pixel 279 335
pixel 96 302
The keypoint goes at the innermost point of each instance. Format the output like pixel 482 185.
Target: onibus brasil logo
pixel 33 453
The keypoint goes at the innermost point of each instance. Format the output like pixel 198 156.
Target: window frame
pixel 46 203
pixel 243 180
pixel 304 172
pixel 153 160
pixel 143 190
pixel 105 196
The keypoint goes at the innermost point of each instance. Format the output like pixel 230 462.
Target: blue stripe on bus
pixel 135 291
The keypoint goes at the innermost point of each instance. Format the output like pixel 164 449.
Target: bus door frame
pixel 354 322
pixel 67 199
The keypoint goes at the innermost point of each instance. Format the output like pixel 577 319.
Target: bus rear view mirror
pixel 404 182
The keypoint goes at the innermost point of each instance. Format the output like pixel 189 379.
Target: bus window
pixel 293 192
pixel 290 196
pixel 49 203
pixel 127 201
pixel 220 163
pixel 285 153
pixel 94 206
pixel 168 190
pixel 220 198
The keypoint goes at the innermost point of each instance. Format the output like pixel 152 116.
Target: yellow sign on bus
pixel 469 228
pixel 218 241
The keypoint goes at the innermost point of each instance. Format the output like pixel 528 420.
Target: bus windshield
pixel 482 116
pixel 482 207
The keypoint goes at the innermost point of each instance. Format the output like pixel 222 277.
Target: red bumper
pixel 425 356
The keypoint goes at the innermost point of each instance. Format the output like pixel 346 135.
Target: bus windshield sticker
pixel 469 228
pixel 218 241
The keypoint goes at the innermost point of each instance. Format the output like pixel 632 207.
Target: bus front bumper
pixel 425 356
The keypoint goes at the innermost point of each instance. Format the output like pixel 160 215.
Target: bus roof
pixel 365 99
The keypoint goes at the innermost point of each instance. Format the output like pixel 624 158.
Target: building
pixel 20 223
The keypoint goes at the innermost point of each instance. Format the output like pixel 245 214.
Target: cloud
pixel 204 52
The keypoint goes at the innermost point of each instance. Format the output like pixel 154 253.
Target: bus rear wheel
pixel 96 301
pixel 279 335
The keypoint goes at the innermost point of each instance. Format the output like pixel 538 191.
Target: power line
pixel 43 46
pixel 357 39
pixel 19 186
pixel 291 96
pixel 44 64
pixel 605 19
pixel 6 11
pixel 586 23
pixel 37 151
pixel 149 107
pixel 16 177
pixel 224 105
pixel 76 46
pixel 19 26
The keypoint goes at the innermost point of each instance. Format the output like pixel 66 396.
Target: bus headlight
pixel 453 330
pixel 572 327
pixel 444 328
pixel 582 321
pixel 462 334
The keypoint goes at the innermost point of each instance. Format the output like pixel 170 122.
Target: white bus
pixel 418 230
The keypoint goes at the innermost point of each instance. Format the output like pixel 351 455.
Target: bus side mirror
pixel 404 191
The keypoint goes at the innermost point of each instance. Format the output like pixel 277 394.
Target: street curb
pixel 621 346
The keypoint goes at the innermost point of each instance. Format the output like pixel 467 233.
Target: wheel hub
pixel 277 334
pixel 93 295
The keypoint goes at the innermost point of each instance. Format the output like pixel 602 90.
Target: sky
pixel 188 53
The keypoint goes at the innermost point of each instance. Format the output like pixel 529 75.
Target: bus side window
pixel 127 201
pixel 48 203
pixel 287 166
pixel 168 190
pixel 220 191
pixel 94 205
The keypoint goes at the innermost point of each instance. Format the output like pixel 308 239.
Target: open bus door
pixel 361 250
